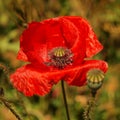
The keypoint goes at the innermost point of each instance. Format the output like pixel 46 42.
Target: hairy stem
pixel 65 100
pixel 89 111
pixel 6 103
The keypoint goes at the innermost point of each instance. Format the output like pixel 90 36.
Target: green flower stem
pixel 65 100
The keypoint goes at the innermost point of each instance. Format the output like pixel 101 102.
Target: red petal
pixel 54 37
pixel 32 44
pixel 77 75
pixel 38 38
pixel 74 37
pixel 69 31
pixel 22 56
pixel 35 80
pixel 93 46
pixel 31 81
pixel 86 39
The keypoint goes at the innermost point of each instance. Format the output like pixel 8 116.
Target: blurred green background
pixel 104 17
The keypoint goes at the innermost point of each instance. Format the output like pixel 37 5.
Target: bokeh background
pixel 104 17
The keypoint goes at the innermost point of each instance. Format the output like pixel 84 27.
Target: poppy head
pixel 56 50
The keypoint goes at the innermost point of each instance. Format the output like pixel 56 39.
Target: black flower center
pixel 60 57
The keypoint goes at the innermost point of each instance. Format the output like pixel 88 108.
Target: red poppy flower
pixel 56 50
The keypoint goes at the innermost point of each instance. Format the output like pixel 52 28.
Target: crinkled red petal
pixel 77 75
pixel 54 37
pixel 32 44
pixel 31 81
pixel 86 39
pixel 74 37
pixel 38 39
pixel 22 56
pixel 68 31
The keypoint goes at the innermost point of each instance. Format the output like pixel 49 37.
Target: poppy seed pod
pixel 95 78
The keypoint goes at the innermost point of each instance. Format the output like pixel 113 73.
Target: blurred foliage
pixel 104 17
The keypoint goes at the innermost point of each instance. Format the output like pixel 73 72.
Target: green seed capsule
pixel 60 52
pixel 95 78
pixel 60 57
